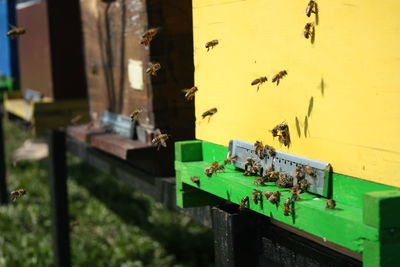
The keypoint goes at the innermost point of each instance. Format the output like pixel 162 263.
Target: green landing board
pixel 343 225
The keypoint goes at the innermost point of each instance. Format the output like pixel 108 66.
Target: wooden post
pixel 235 237
pixel 59 198
pixel 379 211
pixel 3 180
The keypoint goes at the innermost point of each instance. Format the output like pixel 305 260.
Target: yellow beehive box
pixel 340 97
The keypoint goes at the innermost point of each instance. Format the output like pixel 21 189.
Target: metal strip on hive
pixel 284 162
pixel 119 124
pixel 32 95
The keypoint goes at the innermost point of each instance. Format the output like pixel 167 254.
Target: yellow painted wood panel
pixel 343 90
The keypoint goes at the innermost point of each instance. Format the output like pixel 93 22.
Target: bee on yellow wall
pixel 259 81
pixel 309 30
pixel 211 44
pixel 277 77
pixel 311 8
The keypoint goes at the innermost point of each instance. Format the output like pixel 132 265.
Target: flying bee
pixel 17 193
pixel 135 114
pixel 76 119
pixel 189 93
pixel 15 32
pixel 243 202
pixel 309 170
pixel 255 195
pixel 275 197
pixel 270 150
pixel 148 36
pixel 279 76
pixel 311 8
pixel 195 179
pixel 330 204
pixel 160 139
pixel 211 44
pixel 153 69
pixel 209 112
pixel 282 131
pixel 287 204
pixel 309 30
pixel 259 149
pixel 259 81
pixel 230 159
pixel 295 192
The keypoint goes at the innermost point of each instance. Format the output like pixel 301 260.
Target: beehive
pixel 339 97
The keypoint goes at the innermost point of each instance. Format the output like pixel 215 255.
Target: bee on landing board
pixel 309 170
pixel 259 81
pixel 309 30
pixel 286 210
pixel 148 36
pixel 230 159
pixel 275 198
pixel 209 112
pixel 330 204
pixel 244 202
pixel 189 93
pixel 153 69
pixel 277 77
pixel 311 8
pixel 15 32
pixel 211 44
pixel 160 139
pixel 213 169
pixel 135 114
pixel 255 195
pixel 195 179
pixel 259 149
pixel 295 191
pixel 17 193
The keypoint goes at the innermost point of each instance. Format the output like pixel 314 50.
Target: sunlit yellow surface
pixel 351 73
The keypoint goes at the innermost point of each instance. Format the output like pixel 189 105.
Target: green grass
pixel 117 226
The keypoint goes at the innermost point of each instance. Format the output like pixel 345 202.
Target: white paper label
pixel 135 74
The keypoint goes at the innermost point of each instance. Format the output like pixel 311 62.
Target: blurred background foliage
pixel 111 223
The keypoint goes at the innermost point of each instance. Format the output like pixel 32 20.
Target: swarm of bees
pixel 213 169
pixel 16 194
pixel 189 93
pixel 259 81
pixel 211 44
pixel 148 36
pixel 209 112
pixel 243 203
pixel 160 139
pixel 277 77
pixel 135 114
pixel 15 32
pixel 153 69
pixel 282 131
pixel 309 30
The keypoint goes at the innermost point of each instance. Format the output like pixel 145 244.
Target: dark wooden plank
pixel 59 198
pixel 83 132
pixel 116 145
pixel 234 236
pixel 3 173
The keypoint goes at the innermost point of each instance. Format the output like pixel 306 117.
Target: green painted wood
pixel 380 209
pixel 344 225
pixel 188 151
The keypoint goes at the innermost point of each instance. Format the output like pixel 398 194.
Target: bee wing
pixel 163 143
pixel 12 26
pixel 157 132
